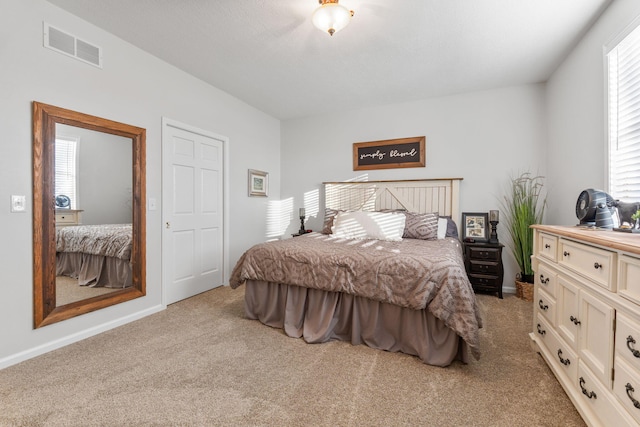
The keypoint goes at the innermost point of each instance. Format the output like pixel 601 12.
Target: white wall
pixel 576 115
pixel 483 137
pixel 134 88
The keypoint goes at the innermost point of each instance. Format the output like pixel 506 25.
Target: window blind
pixel 66 169
pixel 624 118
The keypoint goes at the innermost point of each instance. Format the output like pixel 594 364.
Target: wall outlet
pixel 18 203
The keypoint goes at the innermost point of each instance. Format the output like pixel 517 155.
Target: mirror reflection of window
pixel 66 168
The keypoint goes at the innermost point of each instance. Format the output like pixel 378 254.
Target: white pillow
pixel 369 225
pixel 442 228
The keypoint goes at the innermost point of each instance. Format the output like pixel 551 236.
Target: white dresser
pixel 586 319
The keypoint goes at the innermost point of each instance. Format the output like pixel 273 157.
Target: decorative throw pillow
pixel 452 228
pixel 421 226
pixel 369 225
pixel 442 227
pixel 329 215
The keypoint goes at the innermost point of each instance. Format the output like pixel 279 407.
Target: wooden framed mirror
pixel 55 215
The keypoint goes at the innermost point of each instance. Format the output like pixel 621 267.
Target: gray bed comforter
pixel 414 274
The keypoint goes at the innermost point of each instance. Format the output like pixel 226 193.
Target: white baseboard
pixel 79 336
pixel 508 289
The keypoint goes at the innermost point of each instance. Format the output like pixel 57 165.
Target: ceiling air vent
pixel 69 45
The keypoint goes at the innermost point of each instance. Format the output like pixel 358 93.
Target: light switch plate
pixel 152 204
pixel 18 203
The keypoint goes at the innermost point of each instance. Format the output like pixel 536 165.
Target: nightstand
pixel 483 262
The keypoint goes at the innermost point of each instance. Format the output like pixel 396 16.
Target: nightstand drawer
pixel 485 282
pixel 484 267
pixel 479 253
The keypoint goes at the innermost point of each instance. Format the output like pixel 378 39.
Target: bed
pixel 97 255
pixel 386 293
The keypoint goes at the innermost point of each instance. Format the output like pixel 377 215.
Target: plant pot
pixel 524 291
pixel 527 278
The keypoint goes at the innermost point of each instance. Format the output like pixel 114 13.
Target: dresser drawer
pixel 627 340
pixel 596 264
pixel 629 278
pixel 548 246
pixel 480 253
pixel 545 305
pixel 596 347
pixel 568 310
pixel 66 218
pixel 484 267
pixel 546 279
pixel 600 400
pixel 562 355
pixel 626 387
pixel 543 331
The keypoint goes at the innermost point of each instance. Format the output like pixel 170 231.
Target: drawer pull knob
pixel 574 320
pixel 630 390
pixel 565 362
pixel 542 305
pixel 543 280
pixel 547 246
pixel 565 253
pixel 589 394
pixel 597 266
pixel 540 330
pixel 633 351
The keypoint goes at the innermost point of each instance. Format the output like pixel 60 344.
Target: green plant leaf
pixel 524 206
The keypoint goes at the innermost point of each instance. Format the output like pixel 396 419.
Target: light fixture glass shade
pixel 331 17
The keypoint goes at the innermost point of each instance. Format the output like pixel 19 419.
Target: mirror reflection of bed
pixel 93 179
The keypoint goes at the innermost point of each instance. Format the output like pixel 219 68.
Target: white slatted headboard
pixel 429 195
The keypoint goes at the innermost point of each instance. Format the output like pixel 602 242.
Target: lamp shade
pixel 331 17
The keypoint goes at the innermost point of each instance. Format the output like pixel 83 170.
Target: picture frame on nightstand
pixel 475 226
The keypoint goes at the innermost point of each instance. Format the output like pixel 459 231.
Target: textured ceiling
pixel 269 54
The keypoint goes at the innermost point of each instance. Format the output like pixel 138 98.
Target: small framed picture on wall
pixel 258 183
pixel 475 226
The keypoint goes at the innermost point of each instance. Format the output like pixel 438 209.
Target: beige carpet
pixel 68 291
pixel 201 363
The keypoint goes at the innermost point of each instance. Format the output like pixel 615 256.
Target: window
pixel 623 61
pixel 66 168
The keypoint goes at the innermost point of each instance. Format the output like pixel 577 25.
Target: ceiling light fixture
pixel 331 17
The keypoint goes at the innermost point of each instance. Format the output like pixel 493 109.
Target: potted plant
pixel 523 206
pixel 636 218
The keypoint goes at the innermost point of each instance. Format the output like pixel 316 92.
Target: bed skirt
pixel 320 316
pixel 94 270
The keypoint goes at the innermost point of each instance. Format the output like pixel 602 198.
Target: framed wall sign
pixel 389 154
pixel 258 183
pixel 475 226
